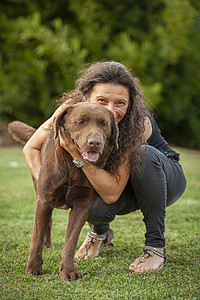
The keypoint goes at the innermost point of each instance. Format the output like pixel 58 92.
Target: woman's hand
pixel 68 145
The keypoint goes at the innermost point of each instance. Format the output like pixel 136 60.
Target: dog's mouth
pixel 89 156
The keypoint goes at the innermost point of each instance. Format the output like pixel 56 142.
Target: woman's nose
pixel 111 107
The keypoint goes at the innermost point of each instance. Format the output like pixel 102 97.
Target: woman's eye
pixel 101 100
pixel 121 103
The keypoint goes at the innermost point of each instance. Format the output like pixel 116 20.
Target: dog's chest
pixel 64 184
pixel 68 196
pixel 76 188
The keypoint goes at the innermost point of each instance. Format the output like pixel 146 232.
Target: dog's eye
pixel 103 123
pixel 80 122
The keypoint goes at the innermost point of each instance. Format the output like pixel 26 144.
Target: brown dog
pixel 61 184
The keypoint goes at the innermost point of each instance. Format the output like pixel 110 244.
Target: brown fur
pixel 61 184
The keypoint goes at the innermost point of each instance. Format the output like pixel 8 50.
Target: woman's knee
pixel 175 191
pixel 150 159
pixel 101 213
pixel 149 154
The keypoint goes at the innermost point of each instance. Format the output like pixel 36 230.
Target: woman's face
pixel 114 97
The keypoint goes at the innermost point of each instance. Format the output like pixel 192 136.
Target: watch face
pixel 79 164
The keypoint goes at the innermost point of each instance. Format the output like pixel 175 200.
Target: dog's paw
pixel 47 244
pixel 70 275
pixel 33 269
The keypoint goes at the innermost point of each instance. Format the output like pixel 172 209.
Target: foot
pixel 69 273
pixel 149 261
pixel 34 267
pixel 47 243
pixel 94 247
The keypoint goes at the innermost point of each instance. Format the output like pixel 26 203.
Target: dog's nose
pixel 94 142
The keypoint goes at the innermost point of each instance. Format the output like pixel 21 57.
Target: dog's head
pixel 92 129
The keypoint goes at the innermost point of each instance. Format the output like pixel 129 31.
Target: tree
pixel 45 44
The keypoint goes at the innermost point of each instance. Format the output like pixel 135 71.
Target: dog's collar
pixel 79 164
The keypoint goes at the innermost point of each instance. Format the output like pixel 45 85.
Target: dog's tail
pixel 20 131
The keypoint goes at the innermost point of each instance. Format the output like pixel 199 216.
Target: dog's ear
pixel 115 132
pixel 59 120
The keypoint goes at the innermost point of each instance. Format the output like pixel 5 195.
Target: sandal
pixel 155 251
pixel 105 238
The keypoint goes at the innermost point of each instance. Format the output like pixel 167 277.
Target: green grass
pixel 105 277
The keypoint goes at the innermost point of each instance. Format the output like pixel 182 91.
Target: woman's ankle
pixel 97 237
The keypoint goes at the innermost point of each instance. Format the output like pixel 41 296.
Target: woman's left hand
pixel 68 145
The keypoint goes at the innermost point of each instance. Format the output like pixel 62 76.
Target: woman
pixel 148 177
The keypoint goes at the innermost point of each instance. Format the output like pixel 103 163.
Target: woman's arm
pixel 32 149
pixel 148 128
pixel 108 186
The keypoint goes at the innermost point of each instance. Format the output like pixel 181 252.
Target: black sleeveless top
pixel 157 140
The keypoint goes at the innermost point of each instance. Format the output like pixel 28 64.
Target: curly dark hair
pixel 131 127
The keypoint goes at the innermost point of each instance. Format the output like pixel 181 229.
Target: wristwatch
pixel 79 164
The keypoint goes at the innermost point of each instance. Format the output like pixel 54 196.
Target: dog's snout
pixel 94 142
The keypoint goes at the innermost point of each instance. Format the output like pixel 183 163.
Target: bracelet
pixel 94 236
pixel 80 163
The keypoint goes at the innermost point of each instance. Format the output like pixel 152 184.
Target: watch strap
pixel 79 164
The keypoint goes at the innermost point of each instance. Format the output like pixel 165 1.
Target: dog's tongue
pixel 90 156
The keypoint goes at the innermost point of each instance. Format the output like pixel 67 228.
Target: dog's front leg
pixel 77 219
pixel 47 239
pixel 43 214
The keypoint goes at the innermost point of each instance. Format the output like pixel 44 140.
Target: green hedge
pixel 45 44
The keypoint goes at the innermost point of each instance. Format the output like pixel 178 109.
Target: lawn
pixel 105 277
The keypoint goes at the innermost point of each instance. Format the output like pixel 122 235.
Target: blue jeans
pixel 157 183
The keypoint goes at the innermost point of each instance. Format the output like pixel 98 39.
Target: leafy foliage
pixel 45 44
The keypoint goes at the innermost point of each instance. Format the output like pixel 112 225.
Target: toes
pixel 77 257
pixel 138 267
pixel 152 264
pixel 71 276
pixel 138 271
pixel 142 268
pixel 34 271
pixel 134 265
pixel 90 256
pixel 79 254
